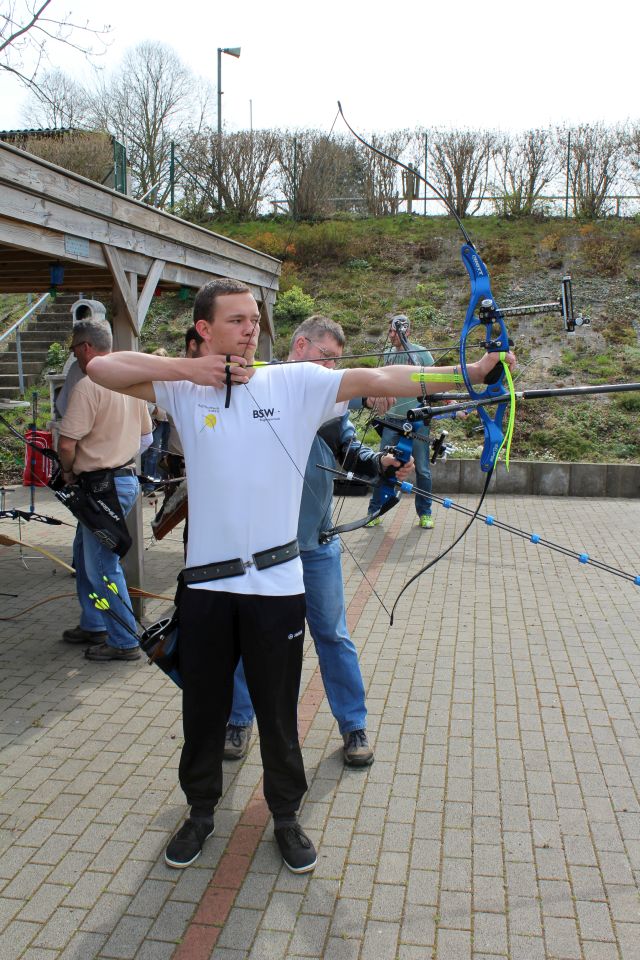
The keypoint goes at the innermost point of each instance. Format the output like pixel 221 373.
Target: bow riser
pixel 483 311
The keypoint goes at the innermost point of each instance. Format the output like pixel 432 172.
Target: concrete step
pixel 40 336
pixel 51 325
pixel 28 366
pixel 29 346
pixel 11 380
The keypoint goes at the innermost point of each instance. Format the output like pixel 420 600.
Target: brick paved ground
pixel 500 819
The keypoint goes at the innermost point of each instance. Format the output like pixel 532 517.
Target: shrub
pixel 293 306
pixel 629 402
pixel 357 263
pixel 604 254
pixel 428 249
pixel 496 253
pixel 322 241
pixel 56 356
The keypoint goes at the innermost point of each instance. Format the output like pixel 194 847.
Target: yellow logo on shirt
pixel 210 420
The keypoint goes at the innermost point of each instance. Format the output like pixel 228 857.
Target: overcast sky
pixel 496 64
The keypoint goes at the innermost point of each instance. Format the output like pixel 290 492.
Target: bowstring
pixel 279 439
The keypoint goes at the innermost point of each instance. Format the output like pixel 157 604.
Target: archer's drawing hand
pixel 211 371
pixel 380 404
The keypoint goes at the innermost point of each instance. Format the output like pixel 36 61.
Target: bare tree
pixel 28 28
pixel 313 170
pixel 380 176
pixel 460 166
pixel 57 102
pixel 596 156
pixel 631 144
pixel 525 165
pixel 228 174
pixel 146 105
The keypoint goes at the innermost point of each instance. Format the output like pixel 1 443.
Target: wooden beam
pixel 129 305
pixel 148 290
pixel 45 181
pixel 17 206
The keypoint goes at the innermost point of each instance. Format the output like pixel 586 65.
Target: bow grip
pixel 494 375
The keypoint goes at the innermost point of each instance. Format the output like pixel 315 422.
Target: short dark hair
pixel 192 334
pixel 204 303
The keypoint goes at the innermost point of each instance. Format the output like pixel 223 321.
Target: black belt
pixel 236 568
pixel 128 470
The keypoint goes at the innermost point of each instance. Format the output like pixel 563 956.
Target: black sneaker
pixel 186 845
pixel 236 741
pixel 298 852
pixel 357 749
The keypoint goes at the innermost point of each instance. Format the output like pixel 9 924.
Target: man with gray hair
pixel 99 439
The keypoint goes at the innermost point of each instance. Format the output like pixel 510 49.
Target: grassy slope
pixel 360 272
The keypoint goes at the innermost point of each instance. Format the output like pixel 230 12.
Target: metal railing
pixel 15 328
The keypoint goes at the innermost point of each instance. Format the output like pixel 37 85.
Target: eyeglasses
pixel 81 343
pixel 325 354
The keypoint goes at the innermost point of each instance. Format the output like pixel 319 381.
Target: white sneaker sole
pixel 180 866
pixel 306 869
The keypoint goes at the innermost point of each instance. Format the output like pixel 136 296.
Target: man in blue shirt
pixel 320 340
pixel 397 413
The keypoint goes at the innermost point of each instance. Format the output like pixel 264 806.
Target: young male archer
pixel 244 589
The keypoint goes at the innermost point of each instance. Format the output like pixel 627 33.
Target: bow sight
pixel 563 305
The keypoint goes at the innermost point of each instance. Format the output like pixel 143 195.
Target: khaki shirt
pixel 106 425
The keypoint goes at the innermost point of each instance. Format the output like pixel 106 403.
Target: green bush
pixel 56 356
pixel 293 306
pixel 630 402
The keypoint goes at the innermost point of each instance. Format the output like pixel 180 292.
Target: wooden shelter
pixel 112 246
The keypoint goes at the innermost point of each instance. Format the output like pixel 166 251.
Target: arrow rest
pixel 440 449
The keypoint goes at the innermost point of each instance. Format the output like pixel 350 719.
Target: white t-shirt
pixel 245 466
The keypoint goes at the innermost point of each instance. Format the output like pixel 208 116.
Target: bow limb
pixel 388 504
pixel 6 541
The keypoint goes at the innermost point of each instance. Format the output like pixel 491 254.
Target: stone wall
pixel 530 478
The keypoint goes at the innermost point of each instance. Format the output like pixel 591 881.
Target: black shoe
pixel 105 652
pixel 298 852
pixel 186 845
pixel 236 741
pixel 78 635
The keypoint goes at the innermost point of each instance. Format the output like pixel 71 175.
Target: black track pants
pixel 268 632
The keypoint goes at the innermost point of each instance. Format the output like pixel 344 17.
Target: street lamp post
pixel 232 52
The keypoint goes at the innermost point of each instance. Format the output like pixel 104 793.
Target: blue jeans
pixel 423 470
pixel 92 561
pixel 341 676
pixel 149 462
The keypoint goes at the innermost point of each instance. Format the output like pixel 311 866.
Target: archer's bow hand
pixel 479 370
pixel 217 369
pixel 392 467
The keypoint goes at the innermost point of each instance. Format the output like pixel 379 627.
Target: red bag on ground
pixel 37 468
